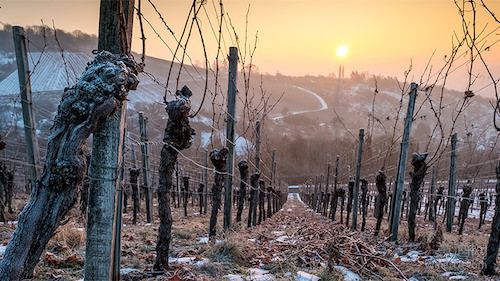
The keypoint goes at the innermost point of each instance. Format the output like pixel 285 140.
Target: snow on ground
pixel 241 143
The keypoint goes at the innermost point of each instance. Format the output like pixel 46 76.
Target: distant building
pixel 293 188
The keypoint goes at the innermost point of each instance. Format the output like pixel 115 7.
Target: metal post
pixel 356 183
pixel 231 116
pixel 398 188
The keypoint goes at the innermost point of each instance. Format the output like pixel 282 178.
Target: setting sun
pixel 342 51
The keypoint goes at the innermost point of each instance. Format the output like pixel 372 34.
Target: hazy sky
pixel 296 37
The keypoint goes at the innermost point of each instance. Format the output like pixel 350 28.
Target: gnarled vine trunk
pixel 201 187
pixel 483 202
pixel 218 159
pixel 243 169
pixel 494 241
pixel 417 178
pixel 178 136
pixel 95 96
pixel 134 186
pixel 380 182
pixel 464 206
pixel 254 192
pixel 349 201
pixel 364 190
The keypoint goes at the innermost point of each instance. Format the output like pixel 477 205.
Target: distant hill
pixel 313 111
pixel 39 36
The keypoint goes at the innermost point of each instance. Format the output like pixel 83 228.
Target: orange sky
pixel 296 37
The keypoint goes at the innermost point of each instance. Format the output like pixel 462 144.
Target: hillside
pixel 316 110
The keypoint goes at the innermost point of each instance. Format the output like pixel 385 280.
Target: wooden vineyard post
pixel 179 172
pixel 320 194
pixel 107 151
pixel 335 195
pixel 231 116
pixel 326 201
pixel 258 191
pixel 315 198
pixel 145 166
pixel 432 197
pixel 452 184
pixel 117 225
pixel 205 190
pixel 356 182
pixel 23 73
pixel 85 108
pixel 403 156
pixel 262 194
pixel 272 183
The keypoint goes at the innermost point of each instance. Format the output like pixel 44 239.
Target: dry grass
pixel 228 252
pixel 237 253
pixel 70 236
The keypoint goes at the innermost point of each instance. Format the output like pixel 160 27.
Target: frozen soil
pixel 296 239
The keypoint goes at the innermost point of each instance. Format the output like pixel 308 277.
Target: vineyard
pixel 115 165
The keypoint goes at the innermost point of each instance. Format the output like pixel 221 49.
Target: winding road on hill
pixel 322 103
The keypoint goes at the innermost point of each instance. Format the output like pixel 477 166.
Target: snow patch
pixel 348 275
pixel 127 270
pixel 240 142
pixel 202 240
pixel 233 277
pixel 9 222
pixel 258 274
pixel 188 260
pixel 2 250
pixel 304 276
pixel 285 239
pixel 202 119
pixel 411 256
pixel 454 275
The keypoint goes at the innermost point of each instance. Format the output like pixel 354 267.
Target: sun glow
pixel 342 51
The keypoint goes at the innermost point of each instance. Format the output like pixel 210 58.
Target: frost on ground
pixel 290 246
